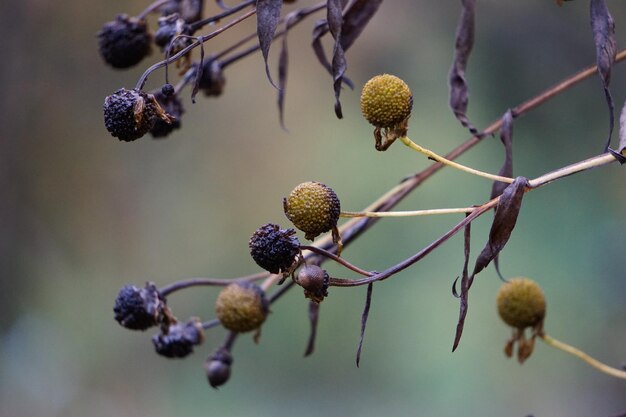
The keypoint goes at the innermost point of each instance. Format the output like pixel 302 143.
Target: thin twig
pixel 199 282
pixel 336 258
pixel 583 356
pixel 408 213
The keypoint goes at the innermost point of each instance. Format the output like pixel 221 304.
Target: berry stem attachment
pixel 431 155
pixel 583 356
pixel 409 213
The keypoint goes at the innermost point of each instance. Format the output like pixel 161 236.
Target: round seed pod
pixel 313 208
pixel 218 368
pixel 274 249
pixel 521 303
pixel 315 282
pixel 386 101
pixel 212 80
pixel 130 114
pixel 139 308
pixel 124 42
pixel 242 307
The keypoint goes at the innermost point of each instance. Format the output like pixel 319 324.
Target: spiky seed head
pixel 521 303
pixel 315 282
pixel 129 114
pixel 274 249
pixel 242 307
pixel 124 42
pixel 386 101
pixel 313 208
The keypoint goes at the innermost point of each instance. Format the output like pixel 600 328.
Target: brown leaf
pixel 314 309
pixel 459 94
pixel 503 224
pixel 268 15
pixel 603 28
pixel 464 288
pixel 364 316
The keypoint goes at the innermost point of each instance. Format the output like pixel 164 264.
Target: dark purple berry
pixel 124 41
pixel 274 249
pixel 179 340
pixel 167 90
pixel 130 114
pixel 212 80
pixel 315 282
pixel 218 368
pixel 139 308
pixel 174 108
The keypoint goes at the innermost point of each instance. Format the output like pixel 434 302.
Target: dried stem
pixel 200 23
pixel 336 258
pixel 408 213
pixel 431 155
pixel 144 77
pixel 583 356
pixel 199 282
pixel 151 8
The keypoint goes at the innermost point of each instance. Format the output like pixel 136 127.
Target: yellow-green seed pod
pixel 386 101
pixel 241 307
pixel 521 303
pixel 313 208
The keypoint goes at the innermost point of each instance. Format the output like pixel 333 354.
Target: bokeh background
pixel 82 214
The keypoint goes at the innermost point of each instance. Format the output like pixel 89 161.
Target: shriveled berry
pixel 217 368
pixel 167 90
pixel 179 340
pixel 521 303
pixel 242 307
pixel 139 308
pixel 170 27
pixel 313 208
pixel 172 105
pixel 315 282
pixel 130 114
pixel 124 41
pixel 386 101
pixel 274 249
pixel 212 80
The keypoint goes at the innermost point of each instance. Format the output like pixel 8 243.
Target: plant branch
pixel 336 258
pixel 199 282
pixel 408 213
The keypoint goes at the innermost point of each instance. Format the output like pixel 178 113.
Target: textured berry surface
pixel 124 42
pixel 521 303
pixel 386 100
pixel 179 340
pixel 138 308
pixel 313 208
pixel 241 307
pixel 274 249
pixel 129 114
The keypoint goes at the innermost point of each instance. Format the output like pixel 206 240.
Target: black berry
pixel 274 249
pixel 124 41
pixel 179 340
pixel 139 308
pixel 218 368
pixel 172 105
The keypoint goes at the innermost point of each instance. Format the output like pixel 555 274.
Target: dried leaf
pixel 356 17
pixel 339 65
pixel 503 224
pixel 366 311
pixel 603 28
pixel 622 133
pixel 464 287
pixel 283 63
pixel 459 95
pixel 314 309
pixel 196 84
pixel 506 136
pixel 268 15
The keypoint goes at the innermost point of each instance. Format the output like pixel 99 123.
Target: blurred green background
pixel 82 214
